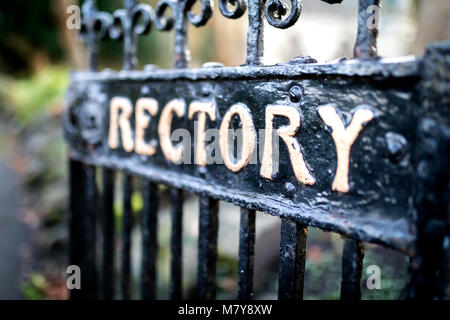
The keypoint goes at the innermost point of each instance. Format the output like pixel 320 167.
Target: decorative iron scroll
pixel 137 19
pixel 181 14
pixel 275 11
pixel 94 26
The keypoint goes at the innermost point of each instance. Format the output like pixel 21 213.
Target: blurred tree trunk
pixel 69 38
pixel 434 24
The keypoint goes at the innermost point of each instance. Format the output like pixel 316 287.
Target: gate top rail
pixel 381 69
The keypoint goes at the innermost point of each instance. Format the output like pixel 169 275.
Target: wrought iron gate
pixel 393 189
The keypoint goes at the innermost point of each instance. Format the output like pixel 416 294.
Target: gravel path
pixel 14 234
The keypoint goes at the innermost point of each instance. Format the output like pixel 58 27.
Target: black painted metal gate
pixel 395 192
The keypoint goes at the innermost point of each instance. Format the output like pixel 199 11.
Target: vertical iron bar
pixel 181 48
pixel 255 34
pixel 366 39
pixel 127 226
pixel 129 38
pixel 176 246
pixel 108 235
pixel 207 248
pixel 149 239
pixel 90 273
pixel 89 10
pixel 181 57
pixel 77 180
pixel 292 260
pixel 76 225
pixel 83 193
pixel 352 262
pixel 246 254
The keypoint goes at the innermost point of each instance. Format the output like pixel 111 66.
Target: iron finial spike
pixel 125 26
pixel 129 37
pixel 89 9
pixel 181 15
pixel 255 35
pixel 182 53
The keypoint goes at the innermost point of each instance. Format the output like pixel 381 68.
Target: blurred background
pixel 37 52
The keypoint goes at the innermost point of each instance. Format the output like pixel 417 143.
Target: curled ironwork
pixel 232 9
pixel 162 21
pixel 179 11
pixel 139 19
pixel 276 11
pixel 94 23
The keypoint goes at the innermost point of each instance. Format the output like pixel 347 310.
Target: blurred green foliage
pixel 34 288
pixel 31 98
pixel 393 278
pixel 323 275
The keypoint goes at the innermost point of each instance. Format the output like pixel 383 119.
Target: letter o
pixel 248 136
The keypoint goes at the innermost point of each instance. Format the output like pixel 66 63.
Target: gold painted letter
pixel 142 120
pixel 174 154
pixel 344 139
pixel 248 137
pixel 287 134
pixel 202 108
pixel 121 121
